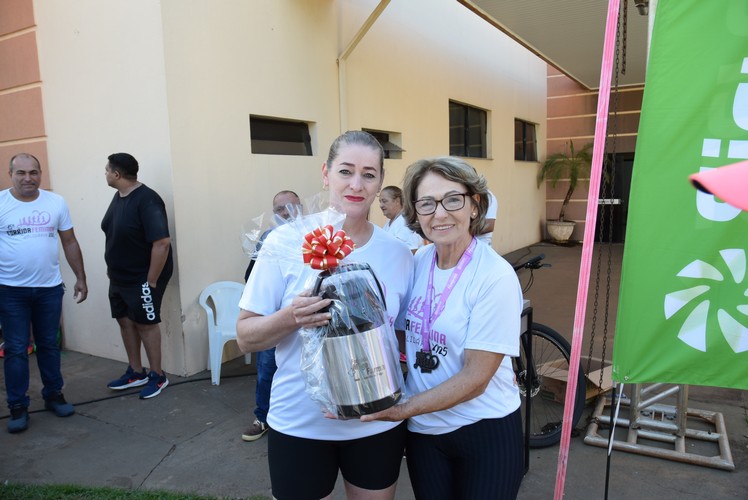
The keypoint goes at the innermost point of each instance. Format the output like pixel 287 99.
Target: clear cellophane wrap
pixel 351 365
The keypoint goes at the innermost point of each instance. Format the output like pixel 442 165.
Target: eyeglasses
pixel 451 203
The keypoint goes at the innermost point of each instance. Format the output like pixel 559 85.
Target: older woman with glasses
pixel 462 326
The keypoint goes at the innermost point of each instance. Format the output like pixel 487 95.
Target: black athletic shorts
pixel 308 468
pixel 140 303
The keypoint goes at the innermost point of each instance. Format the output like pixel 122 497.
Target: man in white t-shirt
pixel 493 207
pixel 286 207
pixel 33 223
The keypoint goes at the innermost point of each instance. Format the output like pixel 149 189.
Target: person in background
pixel 33 223
pixel 286 204
pixel 486 233
pixel 306 450
pixel 462 327
pixel 139 264
pixel 391 203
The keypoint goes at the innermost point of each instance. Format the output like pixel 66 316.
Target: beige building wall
pixel 104 91
pixel 418 57
pixel 265 58
pixel 174 82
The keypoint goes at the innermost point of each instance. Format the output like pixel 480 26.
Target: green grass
pixel 72 492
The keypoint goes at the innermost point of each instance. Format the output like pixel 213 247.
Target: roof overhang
pixel 569 34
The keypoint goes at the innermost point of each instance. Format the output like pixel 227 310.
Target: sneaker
pixel 130 379
pixel 59 406
pixel 255 431
pixel 19 419
pixel 156 384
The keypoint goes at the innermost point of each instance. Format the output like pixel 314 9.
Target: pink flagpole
pixel 601 126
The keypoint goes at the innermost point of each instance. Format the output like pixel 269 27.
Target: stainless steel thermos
pixel 363 372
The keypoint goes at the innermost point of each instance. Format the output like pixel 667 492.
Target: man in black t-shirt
pixel 139 264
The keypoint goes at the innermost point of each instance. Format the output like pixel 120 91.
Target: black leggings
pixel 308 468
pixel 484 460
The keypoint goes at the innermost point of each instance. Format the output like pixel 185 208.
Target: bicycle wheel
pixel 550 353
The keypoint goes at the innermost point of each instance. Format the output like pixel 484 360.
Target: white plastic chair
pixel 224 296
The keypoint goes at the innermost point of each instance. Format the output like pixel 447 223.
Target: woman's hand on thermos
pixel 306 310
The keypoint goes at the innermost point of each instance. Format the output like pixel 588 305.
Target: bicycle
pixel 541 370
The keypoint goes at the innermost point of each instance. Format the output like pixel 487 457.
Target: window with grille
pixel 389 142
pixel 467 131
pixel 525 141
pixel 272 136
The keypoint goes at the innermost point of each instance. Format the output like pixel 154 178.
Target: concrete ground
pixel 188 438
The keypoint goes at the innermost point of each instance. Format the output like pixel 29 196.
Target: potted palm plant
pixel 573 165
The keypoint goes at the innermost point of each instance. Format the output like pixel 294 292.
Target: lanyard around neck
pixel 429 318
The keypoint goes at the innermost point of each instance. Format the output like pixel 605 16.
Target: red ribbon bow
pixel 322 249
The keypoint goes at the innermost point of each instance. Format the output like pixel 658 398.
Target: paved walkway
pixel 188 438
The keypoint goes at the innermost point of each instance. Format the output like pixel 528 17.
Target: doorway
pixel 613 204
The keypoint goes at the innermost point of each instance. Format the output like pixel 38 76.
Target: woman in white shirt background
pixel 486 234
pixel 391 203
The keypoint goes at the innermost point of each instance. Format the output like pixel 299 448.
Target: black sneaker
pixel 59 406
pixel 255 431
pixel 130 379
pixel 19 419
pixel 156 383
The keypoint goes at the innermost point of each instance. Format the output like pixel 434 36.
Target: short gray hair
pixel 28 156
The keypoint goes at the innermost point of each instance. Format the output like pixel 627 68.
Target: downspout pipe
pixel 343 57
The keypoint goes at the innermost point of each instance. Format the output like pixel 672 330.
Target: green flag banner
pixel 683 310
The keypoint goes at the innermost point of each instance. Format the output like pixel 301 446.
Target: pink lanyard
pixel 428 317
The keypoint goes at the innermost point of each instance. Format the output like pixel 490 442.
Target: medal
pixel 426 361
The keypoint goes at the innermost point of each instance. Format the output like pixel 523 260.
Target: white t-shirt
pixel 29 244
pixel 399 230
pixel 493 209
pixel 273 284
pixel 482 313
